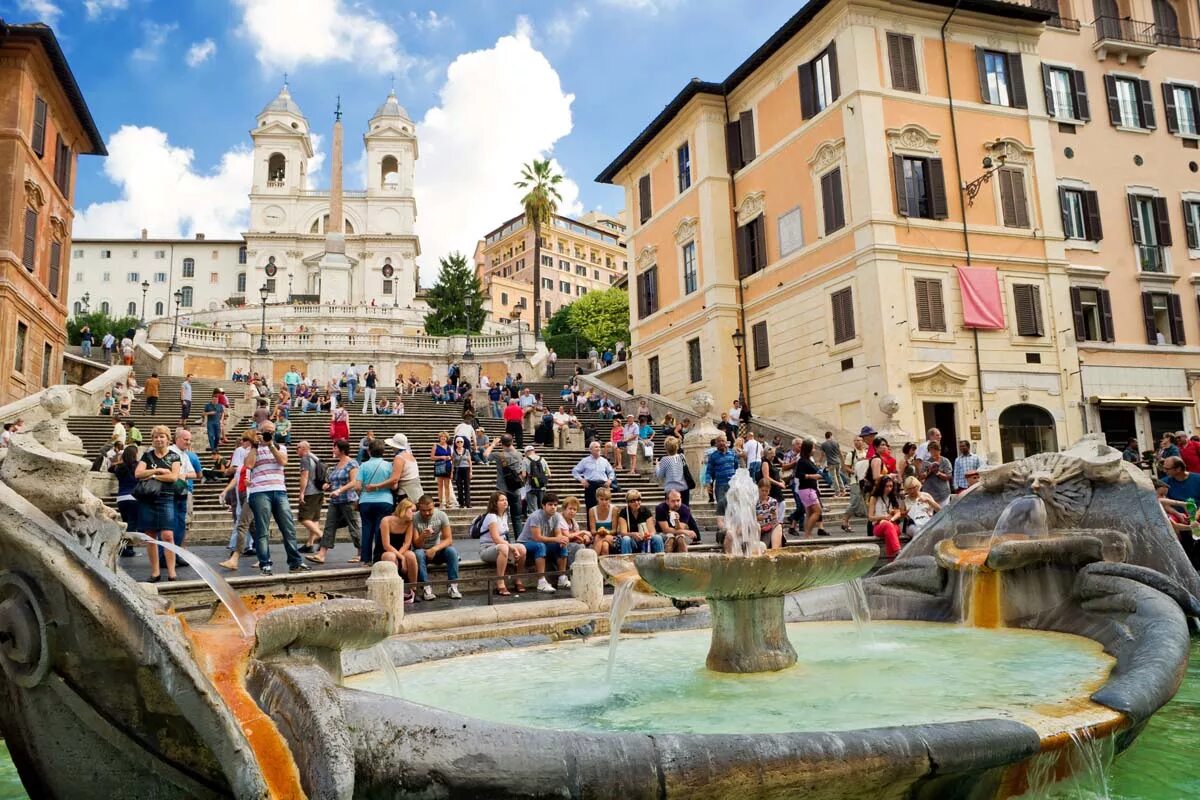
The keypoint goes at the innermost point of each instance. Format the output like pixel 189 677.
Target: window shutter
pixel 1146 96
pixel 808 95
pixel 1016 79
pixel 901 191
pixel 1027 303
pixel 981 65
pixel 843 316
pixel 1082 109
pixel 827 204
pixel 1172 114
pixel 834 83
pixel 1148 318
pixel 37 138
pixel 1077 314
pixel 931 313
pixel 1062 210
pixel 1048 89
pixel 762 349
pixel 743 251
pixel 1162 221
pixel 58 146
pixel 1189 226
pixel 921 290
pixel 937 189
pixel 896 60
pixel 644 210
pixel 746 123
pixel 760 260
pixel 55 267
pixel 641 295
pixel 1104 299
pixel 733 145
pixel 831 191
pixel 1014 209
pixel 1114 102
pixel 29 252
pixel 1135 229
pixel 1178 334
pixel 1091 209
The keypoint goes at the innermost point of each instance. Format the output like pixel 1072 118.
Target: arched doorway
pixel 1026 430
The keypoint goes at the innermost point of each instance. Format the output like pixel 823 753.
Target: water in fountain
pixel 856 599
pixel 221 588
pixel 1089 763
pixel 622 604
pixel 391 676
pixel 741 521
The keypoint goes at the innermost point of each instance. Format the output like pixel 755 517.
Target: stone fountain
pixel 105 692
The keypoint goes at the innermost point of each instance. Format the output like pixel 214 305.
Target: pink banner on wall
pixel 980 287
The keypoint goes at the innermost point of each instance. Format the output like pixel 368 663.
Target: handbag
pixel 441 469
pixel 688 480
pixel 147 489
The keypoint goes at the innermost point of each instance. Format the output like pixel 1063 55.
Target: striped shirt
pixel 670 473
pixel 962 465
pixel 267 474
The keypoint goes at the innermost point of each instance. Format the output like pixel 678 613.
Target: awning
pixel 1170 401
pixel 1108 400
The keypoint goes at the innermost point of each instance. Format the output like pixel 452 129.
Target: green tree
pixel 540 182
pixel 456 300
pixel 100 324
pixel 598 319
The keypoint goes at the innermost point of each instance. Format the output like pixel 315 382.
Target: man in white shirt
pixel 351 383
pixel 931 435
pixel 485 382
pixel 108 343
pixel 753 449
pixel 465 430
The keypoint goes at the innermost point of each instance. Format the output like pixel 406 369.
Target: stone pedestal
pixel 701 434
pixel 587 582
pixel 572 439
pixel 335 270
pixel 386 587
pixel 263 365
pixel 52 433
pixel 749 636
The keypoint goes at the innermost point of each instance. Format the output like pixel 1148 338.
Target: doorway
pixel 1119 425
pixel 1164 419
pixel 1025 431
pixel 944 417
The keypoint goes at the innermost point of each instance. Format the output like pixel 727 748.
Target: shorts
pixel 185 409
pixel 310 507
pixel 808 497
pixel 489 551
pixel 631 447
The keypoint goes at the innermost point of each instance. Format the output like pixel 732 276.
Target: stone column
pixel 386 587
pixel 587 582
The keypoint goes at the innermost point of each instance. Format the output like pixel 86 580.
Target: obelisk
pixel 334 266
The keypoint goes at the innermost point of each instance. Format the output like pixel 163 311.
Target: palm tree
pixel 540 202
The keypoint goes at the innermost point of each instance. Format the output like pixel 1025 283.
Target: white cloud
pixel 648 6
pixel 464 180
pixel 431 21
pixel 162 191
pixel 43 10
pixel 154 36
pixel 95 8
pixel 562 27
pixel 288 33
pixel 200 52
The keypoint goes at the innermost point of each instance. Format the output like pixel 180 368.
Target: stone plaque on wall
pixel 791 232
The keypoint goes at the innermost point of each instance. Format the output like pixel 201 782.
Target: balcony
pixel 1063 23
pixel 1124 38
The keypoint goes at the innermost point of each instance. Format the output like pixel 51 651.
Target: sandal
pixel 846 527
pixel 520 587
pixel 503 591
pixel 316 559
pixel 354 560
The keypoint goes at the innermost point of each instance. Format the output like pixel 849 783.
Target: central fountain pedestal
pixel 749 635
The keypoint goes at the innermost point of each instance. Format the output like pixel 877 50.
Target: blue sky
pixel 575 81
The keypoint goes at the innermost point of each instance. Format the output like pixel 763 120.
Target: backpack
pixel 320 475
pixel 537 473
pixel 477 527
pixel 512 478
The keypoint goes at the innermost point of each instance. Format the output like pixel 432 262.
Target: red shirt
pixel 1190 453
pixel 513 413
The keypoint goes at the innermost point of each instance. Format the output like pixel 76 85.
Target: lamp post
pixel 145 288
pixel 289 288
pixel 739 341
pixel 87 301
pixel 262 335
pixel 175 333
pixel 516 313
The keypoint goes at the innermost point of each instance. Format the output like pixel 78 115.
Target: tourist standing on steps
pixel 268 498
pixel 670 471
pixel 127 349
pixel 185 400
pixel 152 391
pixel 463 471
pixel 291 379
pixel 241 543
pixel 351 382
pixel 107 344
pixel 189 470
pixel 722 463
pixel 339 424
pixel 935 473
pixel 85 341
pixel 966 467
pixel 342 483
pixel 514 419
pixel 311 494
pixel 157 513
pixel 593 472
pixel 434 544
pixel 443 467
pixel 806 489
pixel 405 480
pixel 834 463
pixel 370 382
pixel 510 475
pixel 213 413
pixel 125 471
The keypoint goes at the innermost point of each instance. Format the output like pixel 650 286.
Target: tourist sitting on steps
pixel 497 547
pixel 434 544
pixel 770 530
pixel 919 506
pixel 675 523
pixel 884 512
pixel 635 526
pixel 602 522
pixel 580 537
pixel 396 533
pixel 544 537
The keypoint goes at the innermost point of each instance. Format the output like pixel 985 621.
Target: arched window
pixel 390 172
pixel 131 309
pixel 189 268
pixel 349 228
pixel 276 169
pixel 241 283
pixel 104 308
pixel 186 302
pixel 1026 430
pixel 1166 22
pixel 158 309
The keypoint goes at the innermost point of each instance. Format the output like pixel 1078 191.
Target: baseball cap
pixel 867 430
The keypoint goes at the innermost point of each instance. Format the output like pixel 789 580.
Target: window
pixel 270 286
pixel 77 253
pixel 644 210
pixel 29 251
pixel 1080 214
pixel 19 350
pixel 37 138
pixel 78 277
pixel 1092 309
pixel 762 348
pixel 241 283
pixel 902 59
pixel 931 311
pixel 843 315
pixel 387 286
pixel 106 277
pixel 1001 78
pixel 548 283
pixel 547 261
pixel 132 277
pixel 683 162
pixel 752 247
pixel 1151 230
pixel 1130 104
pixel 62 166
pixel 186 302
pixel 695 373
pixel 548 313
pixel 920 187
pixel 242 254
pixel 189 268
pixel 160 277
pixel 1181 103
pixel 55 275
pixel 595 274
pixel 563 286
pixel 504 298
pixel 1164 318
pixel 78 307
pixel 214 277
pixel 580 269
pixel 1027 304
pixel 689 267
pixel 647 292
pixel 216 254
pixel 160 254
pixel 105 308
pixel 655 379
pixel 832 207
pixel 1066 94
pixel 580 291
pixel 158 308
pixel 819 83
pixel 739 141
pixel 1014 209
pixel 1191 223
pixel 106 253
pixel 131 309
pixel 564 265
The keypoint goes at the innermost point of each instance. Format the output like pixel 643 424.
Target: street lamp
pixel 739 341
pixel 516 314
pixel 175 333
pixel 145 288
pixel 289 288
pixel 262 336
pixel 87 301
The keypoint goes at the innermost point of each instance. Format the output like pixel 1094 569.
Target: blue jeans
pixel 86 348
pixel 496 410
pixel 447 556
pixel 372 515
pixel 214 434
pixel 631 545
pixel 264 506
pixel 179 526
pixel 351 387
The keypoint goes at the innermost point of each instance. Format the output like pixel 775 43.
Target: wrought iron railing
pixel 1125 30
pixel 1063 23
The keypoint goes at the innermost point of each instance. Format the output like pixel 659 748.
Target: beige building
pixel 577 257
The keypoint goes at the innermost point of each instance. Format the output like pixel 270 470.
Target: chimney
pixel 145 233
pixel 199 237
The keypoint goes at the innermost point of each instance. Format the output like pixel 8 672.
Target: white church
pixel 294 247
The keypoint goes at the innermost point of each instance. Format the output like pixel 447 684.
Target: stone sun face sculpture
pixel 1062 480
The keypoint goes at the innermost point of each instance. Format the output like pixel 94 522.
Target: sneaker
pixel 455 594
pixel 304 548
pixel 427 593
pixel 544 586
pixel 249 551
pixel 265 569
pixel 564 582
pixel 301 567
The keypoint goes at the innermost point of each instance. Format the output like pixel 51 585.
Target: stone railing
pixel 85 399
